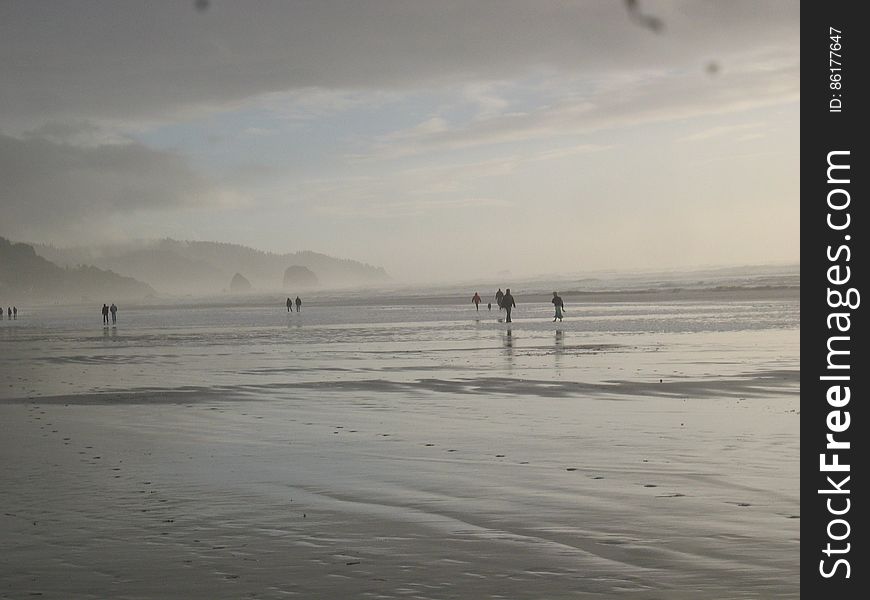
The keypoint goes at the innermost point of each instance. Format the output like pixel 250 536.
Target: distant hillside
pixel 174 266
pixel 24 274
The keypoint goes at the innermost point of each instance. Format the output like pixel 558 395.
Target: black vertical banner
pixel 834 221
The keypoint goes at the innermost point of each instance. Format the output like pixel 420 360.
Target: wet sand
pixel 547 465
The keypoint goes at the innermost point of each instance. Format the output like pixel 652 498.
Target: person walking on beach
pixel 476 301
pixel 8 312
pixel 489 306
pixel 560 306
pixel 105 314
pixel 289 305
pixel 298 303
pixel 499 296
pixel 114 310
pixel 15 312
pixel 508 303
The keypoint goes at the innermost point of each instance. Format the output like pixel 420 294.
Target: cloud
pixel 647 97
pixel 124 60
pixel 740 131
pixel 52 189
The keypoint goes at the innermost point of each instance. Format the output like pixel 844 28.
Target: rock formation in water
pixel 240 284
pixel 299 276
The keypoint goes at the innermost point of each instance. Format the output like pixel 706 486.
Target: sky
pixel 441 140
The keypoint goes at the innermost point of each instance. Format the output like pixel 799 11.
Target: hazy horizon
pixel 484 279
pixel 441 141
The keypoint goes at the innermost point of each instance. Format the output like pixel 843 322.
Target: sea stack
pixel 240 284
pixel 299 276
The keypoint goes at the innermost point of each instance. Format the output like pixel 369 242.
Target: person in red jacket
pixel 476 301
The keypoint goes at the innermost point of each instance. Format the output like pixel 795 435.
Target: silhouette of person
pixel 508 303
pixel 499 295
pixel 114 311
pixel 8 312
pixel 105 314
pixel 559 304
pixel 15 312
pixel 289 304
pixel 476 300
pixel 489 306
pixel 298 303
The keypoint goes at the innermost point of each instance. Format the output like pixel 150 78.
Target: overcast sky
pixel 441 140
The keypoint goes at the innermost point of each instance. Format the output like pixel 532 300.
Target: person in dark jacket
pixel 105 312
pixel 498 298
pixel 559 304
pixel 298 303
pixel 289 305
pixel 508 303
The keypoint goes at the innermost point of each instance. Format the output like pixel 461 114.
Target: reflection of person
pixel 298 303
pixel 289 305
pixel 105 312
pixel 559 304
pixel 476 301
pixel 508 303
pixel 114 310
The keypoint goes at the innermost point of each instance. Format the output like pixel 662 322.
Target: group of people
pixel 107 310
pixel 506 302
pixel 11 312
pixel 298 304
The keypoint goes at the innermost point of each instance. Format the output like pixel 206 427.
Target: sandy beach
pixel 636 450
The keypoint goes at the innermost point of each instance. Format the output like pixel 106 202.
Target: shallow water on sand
pixel 47 353
pixel 634 450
